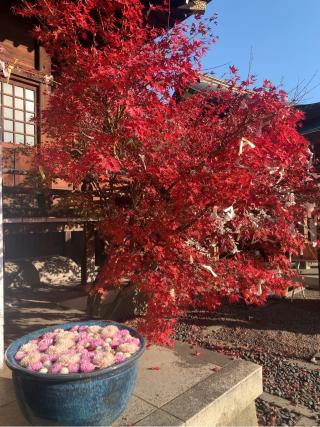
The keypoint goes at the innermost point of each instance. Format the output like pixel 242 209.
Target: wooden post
pixel 68 243
pixel 1 271
pixel 318 248
pixel 88 259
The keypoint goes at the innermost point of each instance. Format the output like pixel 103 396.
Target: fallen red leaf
pixel 154 368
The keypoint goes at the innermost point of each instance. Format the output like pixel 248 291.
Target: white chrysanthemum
pixel 43 370
pixel 30 358
pixel 64 370
pixel 94 329
pixel 60 348
pixel 103 360
pixel 106 347
pixel 52 349
pixel 29 347
pixel 128 348
pixel 65 335
pixel 47 364
pixel 67 359
pixel 58 331
pixel 109 331
pixel 64 346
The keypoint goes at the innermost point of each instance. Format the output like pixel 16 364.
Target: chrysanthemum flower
pixel 44 344
pixel 30 358
pixel 128 348
pixel 86 366
pixel 74 368
pixel 35 366
pixel 55 368
pixel 103 360
pixel 94 328
pixel 66 359
pixel 80 349
pixel 109 331
pixel 19 355
pixel 29 347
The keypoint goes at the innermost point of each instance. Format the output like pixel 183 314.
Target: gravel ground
pixel 267 336
pixel 271 415
pixel 285 379
pixel 291 329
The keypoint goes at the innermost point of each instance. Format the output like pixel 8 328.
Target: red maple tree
pixel 212 180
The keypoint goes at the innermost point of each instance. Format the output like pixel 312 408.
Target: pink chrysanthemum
pixel 35 366
pixel 55 368
pixel 86 366
pixel 97 342
pixel 114 343
pixel 49 335
pixel 19 355
pixel 74 368
pixel 52 357
pixel 44 344
pixel 136 341
pixel 119 357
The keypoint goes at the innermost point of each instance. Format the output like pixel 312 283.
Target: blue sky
pixel 283 36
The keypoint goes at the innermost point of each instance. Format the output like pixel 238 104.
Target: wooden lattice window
pixel 18 103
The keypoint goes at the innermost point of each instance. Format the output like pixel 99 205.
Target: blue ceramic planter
pixel 95 398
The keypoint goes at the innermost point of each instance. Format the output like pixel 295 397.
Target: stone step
pixel 306 422
pixel 309 271
pixel 284 403
pixel 311 282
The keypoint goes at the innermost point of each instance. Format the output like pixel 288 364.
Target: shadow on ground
pixel 290 328
pixel 30 309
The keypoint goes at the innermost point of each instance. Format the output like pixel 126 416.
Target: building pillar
pixel 88 258
pixel 68 243
pixel 1 271
pixel 318 248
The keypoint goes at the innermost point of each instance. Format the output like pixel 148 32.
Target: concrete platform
pixel 209 389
